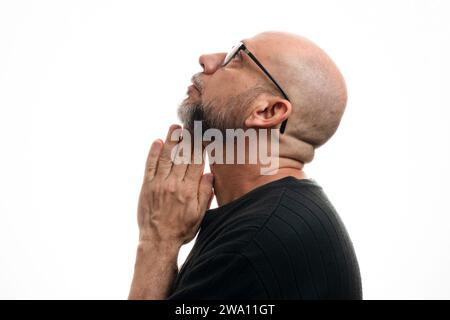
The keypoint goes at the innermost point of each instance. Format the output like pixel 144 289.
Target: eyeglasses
pixel 241 46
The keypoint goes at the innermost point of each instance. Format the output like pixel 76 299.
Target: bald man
pixel 273 236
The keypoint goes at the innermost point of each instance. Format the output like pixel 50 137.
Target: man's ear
pixel 268 112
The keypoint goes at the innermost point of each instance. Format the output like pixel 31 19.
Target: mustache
pixel 197 82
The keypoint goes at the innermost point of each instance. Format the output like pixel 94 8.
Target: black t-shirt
pixel 282 240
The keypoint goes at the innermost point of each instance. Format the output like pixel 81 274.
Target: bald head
pixel 315 87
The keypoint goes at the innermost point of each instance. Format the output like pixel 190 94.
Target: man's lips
pixel 197 85
pixel 193 87
pixel 195 81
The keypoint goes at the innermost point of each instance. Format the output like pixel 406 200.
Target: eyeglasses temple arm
pixel 283 124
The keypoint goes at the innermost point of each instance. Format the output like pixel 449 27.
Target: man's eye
pixel 237 56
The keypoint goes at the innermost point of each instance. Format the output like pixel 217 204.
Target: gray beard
pixel 207 114
pixel 188 113
pixel 231 116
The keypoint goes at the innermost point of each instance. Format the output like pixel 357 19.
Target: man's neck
pixel 233 181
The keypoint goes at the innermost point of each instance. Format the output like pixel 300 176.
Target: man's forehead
pixel 256 46
pixel 249 44
pixel 256 43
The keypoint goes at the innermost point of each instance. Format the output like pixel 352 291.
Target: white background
pixel 85 86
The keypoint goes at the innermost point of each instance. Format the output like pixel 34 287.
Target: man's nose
pixel 211 62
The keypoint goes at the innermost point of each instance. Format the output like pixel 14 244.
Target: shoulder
pixel 276 215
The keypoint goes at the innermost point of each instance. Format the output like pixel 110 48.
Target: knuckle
pixel 170 186
pixel 153 187
pixel 151 167
pixel 166 157
pixel 148 187
pixel 189 193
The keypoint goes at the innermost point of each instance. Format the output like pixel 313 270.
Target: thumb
pixel 205 191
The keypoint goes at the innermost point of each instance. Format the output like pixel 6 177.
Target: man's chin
pixel 186 115
pixel 190 101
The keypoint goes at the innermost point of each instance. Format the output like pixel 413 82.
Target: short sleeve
pixel 224 276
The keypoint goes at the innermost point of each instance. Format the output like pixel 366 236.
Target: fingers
pixel 152 159
pixel 189 166
pixel 205 191
pixel 196 166
pixel 165 161
pixel 181 155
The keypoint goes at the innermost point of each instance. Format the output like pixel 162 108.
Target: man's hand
pixel 173 198
pixel 172 203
